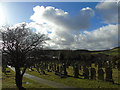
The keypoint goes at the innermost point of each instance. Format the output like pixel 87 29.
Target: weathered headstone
pixel 50 66
pixel 93 73
pixel 64 69
pixel 100 74
pixel 58 69
pixel 108 72
pixel 61 68
pixel 42 68
pixel 76 71
pixel 46 66
pixel 85 72
pixel 118 65
pixel 57 72
pixel 55 67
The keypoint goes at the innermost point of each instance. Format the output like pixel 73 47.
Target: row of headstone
pixel 88 73
pixel 91 73
pixel 40 68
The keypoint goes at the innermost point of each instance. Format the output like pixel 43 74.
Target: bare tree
pixel 18 42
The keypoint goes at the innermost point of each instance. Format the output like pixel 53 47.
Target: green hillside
pixel 113 52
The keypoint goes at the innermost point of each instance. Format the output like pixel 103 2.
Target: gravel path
pixel 44 81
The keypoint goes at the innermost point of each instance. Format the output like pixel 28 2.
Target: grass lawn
pixel 8 81
pixel 77 82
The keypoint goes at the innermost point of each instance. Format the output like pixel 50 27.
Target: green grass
pixel 76 82
pixel 8 81
pixel 114 53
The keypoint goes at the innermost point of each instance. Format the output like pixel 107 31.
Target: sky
pixel 70 25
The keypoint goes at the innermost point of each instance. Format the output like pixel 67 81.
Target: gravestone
pixel 55 67
pixel 93 73
pixel 37 68
pixel 50 66
pixel 118 65
pixel 42 70
pixel 64 69
pixel 108 72
pixel 58 69
pixel 62 72
pixel 85 72
pixel 61 68
pixel 46 66
pixel 100 74
pixel 76 71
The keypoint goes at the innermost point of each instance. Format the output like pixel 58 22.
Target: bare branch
pixel 23 71
pixel 19 41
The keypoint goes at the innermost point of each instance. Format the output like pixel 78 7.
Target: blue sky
pixel 95 30
pixel 21 11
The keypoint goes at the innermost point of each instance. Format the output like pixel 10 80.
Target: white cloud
pixel 105 37
pixel 64 29
pixel 108 11
pixel 88 11
pixel 59 18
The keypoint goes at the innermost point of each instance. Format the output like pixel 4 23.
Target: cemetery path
pixel 44 81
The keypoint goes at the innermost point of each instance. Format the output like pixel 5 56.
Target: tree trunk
pixel 18 78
